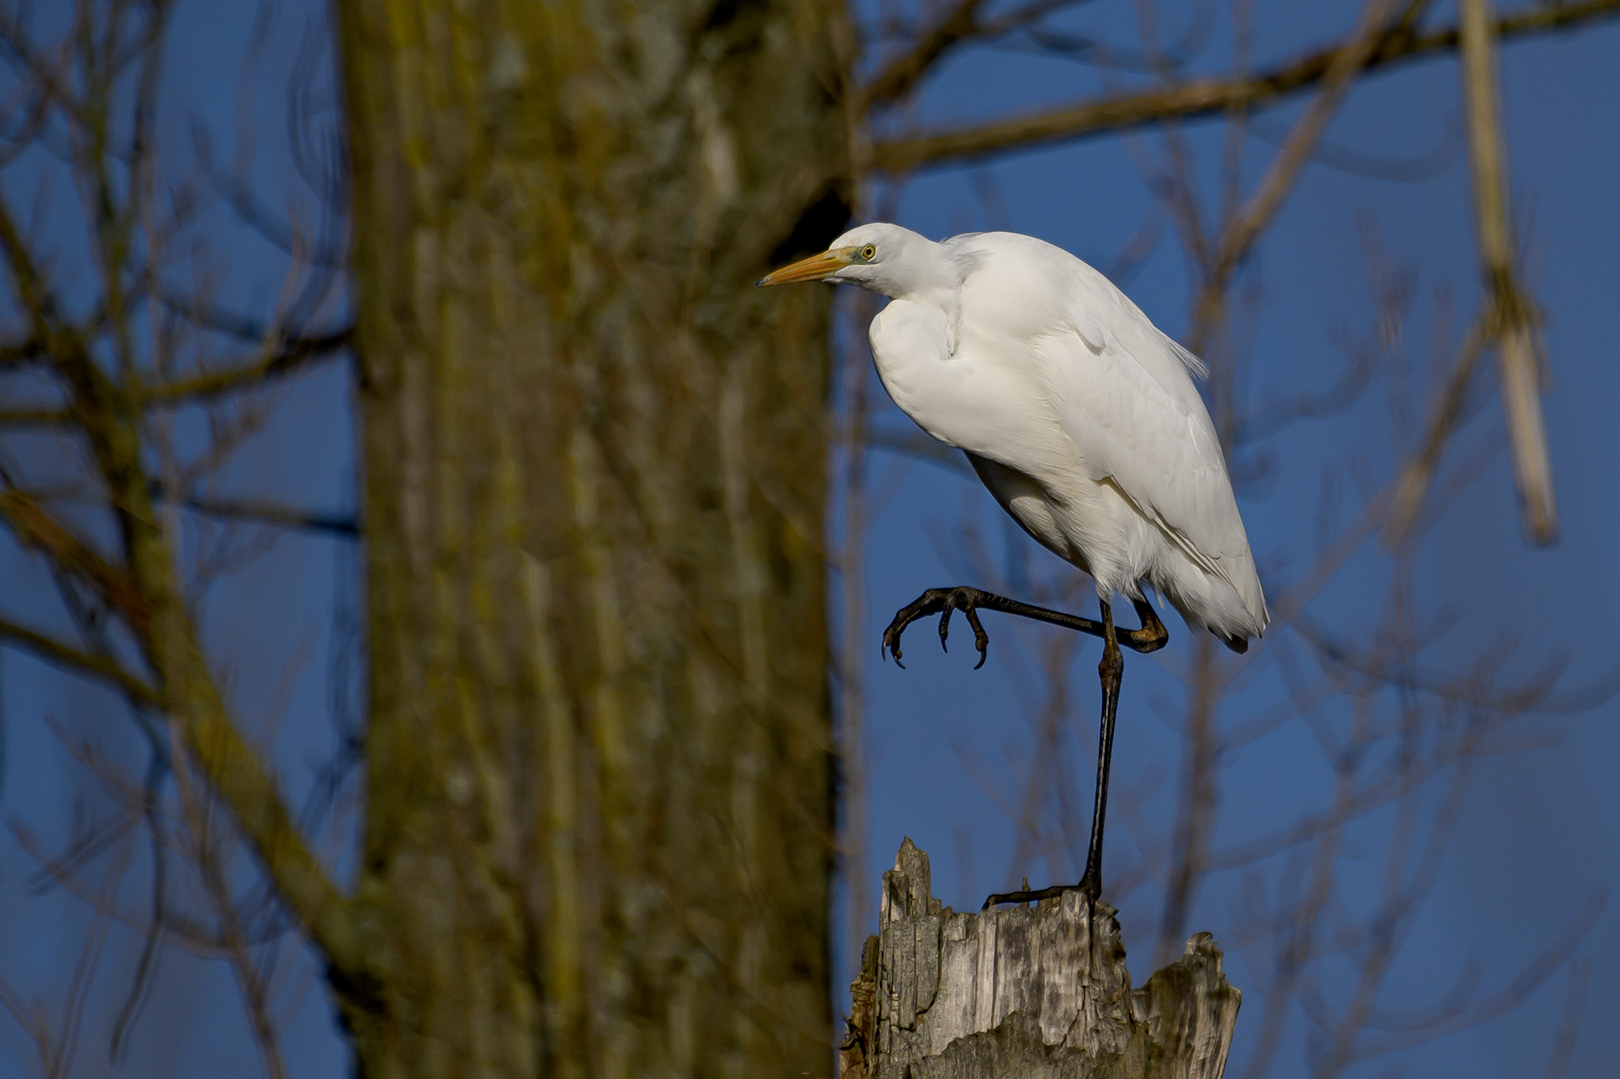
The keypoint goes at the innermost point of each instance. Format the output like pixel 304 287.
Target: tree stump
pixel 1031 993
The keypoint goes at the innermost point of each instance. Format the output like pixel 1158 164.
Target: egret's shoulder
pixel 1052 289
pixel 1000 247
pixel 1104 314
pixel 1023 261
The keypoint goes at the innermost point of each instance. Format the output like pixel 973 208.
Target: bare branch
pixel 146 598
pixel 243 784
pixel 18 352
pixel 273 513
pixel 209 861
pixel 65 655
pixel 1155 57
pixel 37 529
pixel 1274 416
pixel 1569 1027
pixel 1509 997
pixel 288 358
pixel 1535 696
pixel 35 298
pixel 1513 329
pixel 210 316
pixel 1203 97
pixel 902 73
pixel 1372 165
pixel 1245 226
pixel 1196 802
pixel 241 198
pixel 35 417
pixel 1415 477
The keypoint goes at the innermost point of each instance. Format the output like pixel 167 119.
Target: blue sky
pixel 1538 833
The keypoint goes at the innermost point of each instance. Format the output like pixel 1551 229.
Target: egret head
pixel 884 258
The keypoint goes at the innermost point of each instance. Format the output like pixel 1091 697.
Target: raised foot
pixel 940 601
pixel 1089 886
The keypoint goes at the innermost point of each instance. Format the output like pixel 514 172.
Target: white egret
pixel 1082 419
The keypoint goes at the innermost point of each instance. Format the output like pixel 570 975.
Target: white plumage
pixel 1078 414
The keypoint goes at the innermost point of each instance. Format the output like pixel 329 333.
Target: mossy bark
pixel 598 820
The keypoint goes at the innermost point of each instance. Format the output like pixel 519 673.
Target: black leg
pixel 942 601
pixel 1110 672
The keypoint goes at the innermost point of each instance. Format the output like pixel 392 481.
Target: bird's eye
pixel 868 252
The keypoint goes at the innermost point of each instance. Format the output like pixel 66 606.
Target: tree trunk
pixel 598 822
pixel 1026 993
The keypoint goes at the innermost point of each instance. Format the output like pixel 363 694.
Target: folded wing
pixel 1125 396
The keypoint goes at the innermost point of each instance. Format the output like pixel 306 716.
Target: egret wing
pixel 1137 421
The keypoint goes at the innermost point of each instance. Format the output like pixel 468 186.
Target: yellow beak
pixel 814 268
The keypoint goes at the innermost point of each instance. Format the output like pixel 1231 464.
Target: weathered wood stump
pixel 1031 993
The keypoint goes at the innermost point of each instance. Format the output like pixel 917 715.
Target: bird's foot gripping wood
pixel 942 601
pixel 1090 886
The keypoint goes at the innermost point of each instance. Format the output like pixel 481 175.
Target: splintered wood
pixel 1024 992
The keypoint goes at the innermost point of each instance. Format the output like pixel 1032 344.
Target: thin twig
pixel 289 357
pixel 35 417
pixel 961 25
pixel 903 72
pixel 65 655
pixel 273 513
pixel 1244 227
pixel 36 529
pixel 1418 473
pixel 1569 1026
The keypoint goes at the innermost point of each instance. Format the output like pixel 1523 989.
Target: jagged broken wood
pixel 1026 992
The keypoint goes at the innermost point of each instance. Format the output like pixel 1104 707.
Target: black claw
pixel 981 639
pixel 941 601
